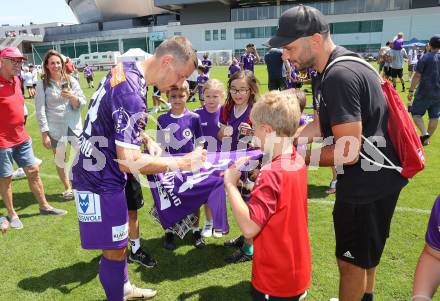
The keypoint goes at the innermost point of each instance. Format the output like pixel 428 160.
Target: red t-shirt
pixel 282 262
pixel 12 131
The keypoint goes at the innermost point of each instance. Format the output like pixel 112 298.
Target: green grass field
pixel 44 260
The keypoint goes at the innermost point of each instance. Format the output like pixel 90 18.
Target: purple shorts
pixel 433 231
pixel 103 220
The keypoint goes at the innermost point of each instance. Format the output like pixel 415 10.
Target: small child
pixel 233 68
pixel 207 64
pixel 178 132
pixel 398 41
pixel 213 93
pixel 201 80
pixel 276 215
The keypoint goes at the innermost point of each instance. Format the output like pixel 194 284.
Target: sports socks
pixel 113 274
pixel 135 245
pixel 248 249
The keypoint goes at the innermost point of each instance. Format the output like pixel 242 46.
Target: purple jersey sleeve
pixel 129 119
pixel 433 231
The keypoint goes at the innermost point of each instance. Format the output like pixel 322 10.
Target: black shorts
pixel 89 79
pixel 412 68
pixel 259 296
pixel 387 71
pixel 396 73
pixel 133 193
pixel 361 230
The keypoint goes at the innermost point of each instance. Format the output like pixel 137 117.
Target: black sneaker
pixel 237 242
pixel 425 139
pixel 199 242
pixel 238 256
pixel 143 258
pixel 168 242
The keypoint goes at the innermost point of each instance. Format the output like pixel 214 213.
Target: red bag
pixel 401 130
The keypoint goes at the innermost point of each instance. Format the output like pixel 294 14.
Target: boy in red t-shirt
pixel 275 216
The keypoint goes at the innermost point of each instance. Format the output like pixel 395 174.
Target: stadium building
pixel 113 25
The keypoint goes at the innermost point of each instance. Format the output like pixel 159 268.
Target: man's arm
pixel 414 83
pixel 310 131
pixel 345 150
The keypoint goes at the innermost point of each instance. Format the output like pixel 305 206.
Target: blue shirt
pixel 274 63
pixel 429 67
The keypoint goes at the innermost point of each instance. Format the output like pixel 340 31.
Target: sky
pixel 17 12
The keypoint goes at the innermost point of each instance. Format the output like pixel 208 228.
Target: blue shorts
pixel 420 106
pixel 22 154
pixel 103 220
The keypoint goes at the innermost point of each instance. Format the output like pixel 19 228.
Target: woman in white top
pixel 58 102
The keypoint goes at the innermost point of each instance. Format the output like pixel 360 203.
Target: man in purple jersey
pixel 110 147
pixel 249 58
pixel 207 64
pixel 427 277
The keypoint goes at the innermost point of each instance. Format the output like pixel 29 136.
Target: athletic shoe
pixel 199 242
pixel 303 296
pixel 4 224
pixel 38 161
pixel 137 293
pixel 143 258
pixel 334 299
pixel 238 256
pixel 15 223
pixel 217 233
pixel 52 211
pixel 19 173
pixel 168 242
pixel 236 242
pixel 425 139
pixel 207 230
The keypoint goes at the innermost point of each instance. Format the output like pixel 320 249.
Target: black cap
pixel 435 41
pixel 297 22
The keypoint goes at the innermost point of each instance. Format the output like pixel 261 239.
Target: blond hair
pixel 280 110
pixel 180 48
pixel 183 88
pixel 216 85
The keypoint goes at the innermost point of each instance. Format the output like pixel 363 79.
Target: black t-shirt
pixel 274 62
pixel 352 92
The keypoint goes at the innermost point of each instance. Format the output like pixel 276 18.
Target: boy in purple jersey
pixel 110 147
pixel 207 64
pixel 201 80
pixel 214 93
pixel 427 276
pixel 249 58
pixel 178 132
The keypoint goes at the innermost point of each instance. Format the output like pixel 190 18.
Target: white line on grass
pixel 400 209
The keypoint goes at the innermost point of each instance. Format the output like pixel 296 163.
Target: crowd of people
pixel 269 203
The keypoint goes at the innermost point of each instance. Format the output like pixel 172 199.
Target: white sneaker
pixel 207 230
pixel 303 296
pixel 137 293
pixel 19 173
pixel 217 234
pixel 334 299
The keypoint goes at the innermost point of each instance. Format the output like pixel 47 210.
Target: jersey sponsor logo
pixel 348 255
pixel 204 124
pixel 118 75
pixel 187 134
pixel 122 120
pixel 120 232
pixel 88 206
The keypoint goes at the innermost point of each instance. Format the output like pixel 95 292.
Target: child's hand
pixel 232 174
pixel 228 131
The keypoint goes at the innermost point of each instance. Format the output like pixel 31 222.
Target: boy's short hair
pixel 183 88
pixel 201 68
pixel 280 110
pixel 180 48
pixel 214 84
pixel 301 96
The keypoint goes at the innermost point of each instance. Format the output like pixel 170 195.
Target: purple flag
pixel 178 194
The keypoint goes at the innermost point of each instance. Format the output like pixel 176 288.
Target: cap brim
pixel 279 41
pixel 18 57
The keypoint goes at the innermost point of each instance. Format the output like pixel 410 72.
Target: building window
pixel 356 27
pixel 207 35
pixel 215 35
pixel 177 33
pixel 223 34
pixel 254 32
